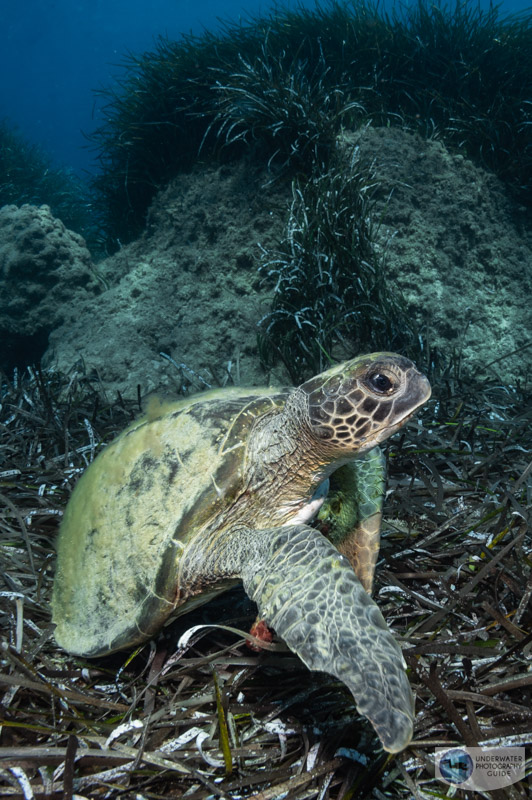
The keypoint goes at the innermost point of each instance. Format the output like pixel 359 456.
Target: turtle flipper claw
pixel 310 594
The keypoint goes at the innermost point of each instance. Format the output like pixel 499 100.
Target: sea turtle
pixel 200 493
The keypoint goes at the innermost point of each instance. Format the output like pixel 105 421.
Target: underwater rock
pixel 458 247
pixel 44 267
pixel 188 287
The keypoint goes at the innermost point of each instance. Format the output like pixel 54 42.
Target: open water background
pixel 54 53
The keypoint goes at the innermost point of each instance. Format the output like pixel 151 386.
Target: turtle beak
pixel 419 391
pixel 404 407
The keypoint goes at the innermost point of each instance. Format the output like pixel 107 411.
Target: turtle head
pixel 355 405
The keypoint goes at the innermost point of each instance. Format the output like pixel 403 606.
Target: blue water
pixel 53 53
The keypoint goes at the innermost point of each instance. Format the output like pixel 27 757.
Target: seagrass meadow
pixel 281 86
pixel 199 714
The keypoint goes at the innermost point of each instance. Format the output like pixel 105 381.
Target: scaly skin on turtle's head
pixel 355 405
pixel 326 422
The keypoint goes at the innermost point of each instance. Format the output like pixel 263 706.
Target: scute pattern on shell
pixel 122 553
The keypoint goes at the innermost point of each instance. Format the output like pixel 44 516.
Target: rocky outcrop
pixel 457 245
pixel 45 270
pixel 459 248
pixel 188 287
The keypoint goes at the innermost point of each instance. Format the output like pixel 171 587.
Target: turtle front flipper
pixel 308 592
pixel 311 596
pixel 351 515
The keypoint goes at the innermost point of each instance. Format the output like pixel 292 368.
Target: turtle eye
pixel 380 383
